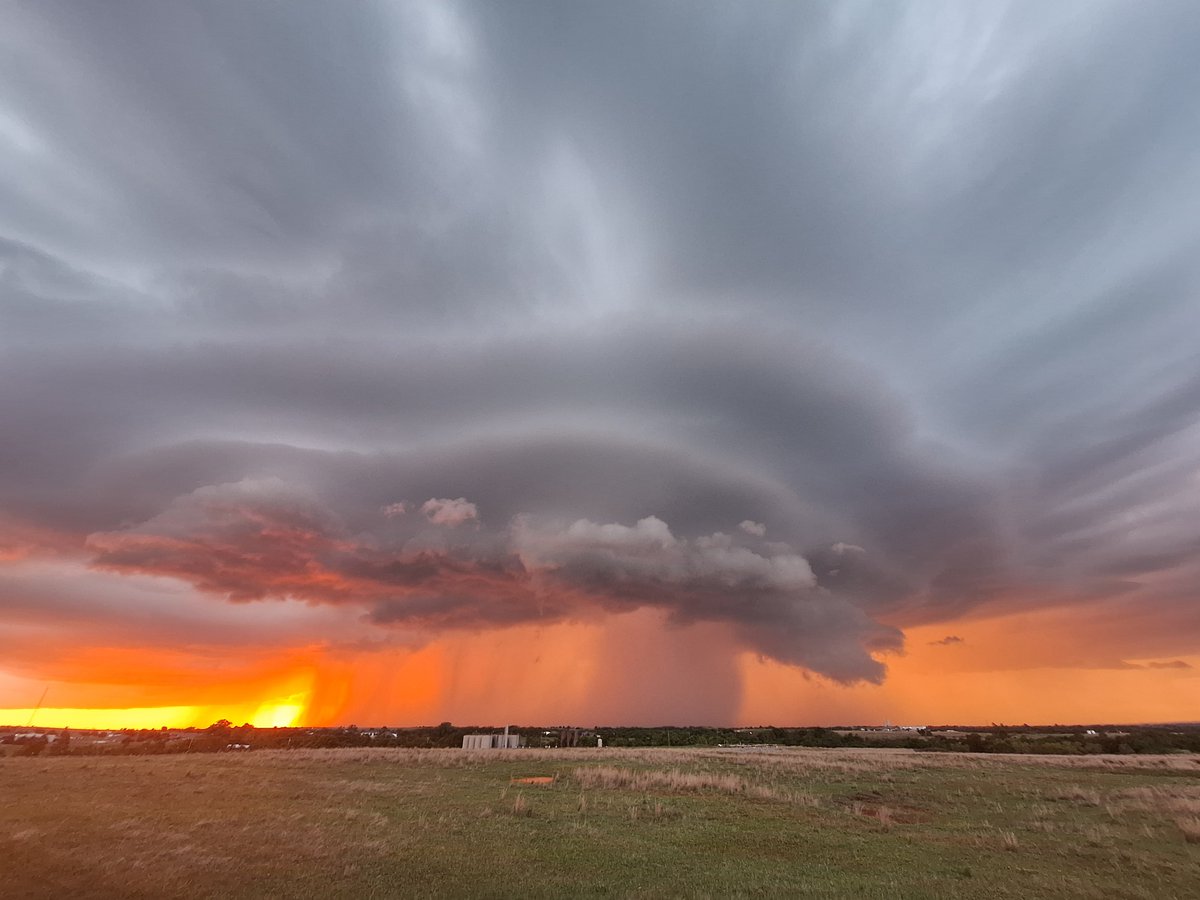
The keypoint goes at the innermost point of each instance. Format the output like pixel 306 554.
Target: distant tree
pixel 62 746
pixel 33 746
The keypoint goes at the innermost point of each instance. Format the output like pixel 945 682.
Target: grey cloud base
pixel 255 540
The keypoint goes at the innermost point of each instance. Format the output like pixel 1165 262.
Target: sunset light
pixel 281 714
pixel 145 717
pixel 457 448
pixel 424 362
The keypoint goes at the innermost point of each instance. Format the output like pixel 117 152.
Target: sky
pixel 669 362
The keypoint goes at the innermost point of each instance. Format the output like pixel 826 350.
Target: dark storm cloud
pixel 264 539
pixel 947 641
pixel 907 292
pixel 185 140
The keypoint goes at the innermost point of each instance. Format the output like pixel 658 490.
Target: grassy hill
pixel 646 822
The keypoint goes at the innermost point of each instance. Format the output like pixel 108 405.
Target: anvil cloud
pixel 798 326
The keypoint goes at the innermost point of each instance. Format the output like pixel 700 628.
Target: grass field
pixel 653 823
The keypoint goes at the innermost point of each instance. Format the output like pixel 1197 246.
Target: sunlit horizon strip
pixel 282 713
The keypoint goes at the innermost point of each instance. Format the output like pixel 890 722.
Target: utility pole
pixel 38 707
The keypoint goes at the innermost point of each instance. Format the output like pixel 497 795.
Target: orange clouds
pixel 149 687
pixel 627 668
pixel 21 540
pixel 259 539
pixel 547 651
pixel 633 668
pixel 1016 668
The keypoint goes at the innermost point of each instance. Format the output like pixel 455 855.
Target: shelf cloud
pixel 810 324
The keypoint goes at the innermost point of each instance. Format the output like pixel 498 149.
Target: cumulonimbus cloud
pixel 593 296
pixel 257 539
pixel 449 512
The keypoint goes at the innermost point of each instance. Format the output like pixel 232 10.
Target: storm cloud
pixel 813 322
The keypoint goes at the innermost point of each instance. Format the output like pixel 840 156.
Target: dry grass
pixel 644 779
pixel 1149 807
pixel 1075 794
pixel 1172 798
pixel 521 806
pixel 882 761
pixel 1190 826
pixel 680 822
pixel 675 780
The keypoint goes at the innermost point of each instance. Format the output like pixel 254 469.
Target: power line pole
pixel 38 707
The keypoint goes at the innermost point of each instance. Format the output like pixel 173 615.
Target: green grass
pixel 652 823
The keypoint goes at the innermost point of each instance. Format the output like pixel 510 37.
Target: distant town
pixel 226 737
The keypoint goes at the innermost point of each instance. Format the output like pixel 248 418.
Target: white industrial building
pixel 491 741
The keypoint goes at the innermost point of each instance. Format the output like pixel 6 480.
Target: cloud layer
pixel 813 324
pixel 257 540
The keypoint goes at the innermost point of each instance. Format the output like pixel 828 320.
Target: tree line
pixel 224 736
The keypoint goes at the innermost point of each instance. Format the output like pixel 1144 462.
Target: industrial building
pixel 491 741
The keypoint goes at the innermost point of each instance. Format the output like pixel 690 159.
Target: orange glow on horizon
pixel 632 668
pixel 1016 669
pixel 265 695
pixel 285 712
